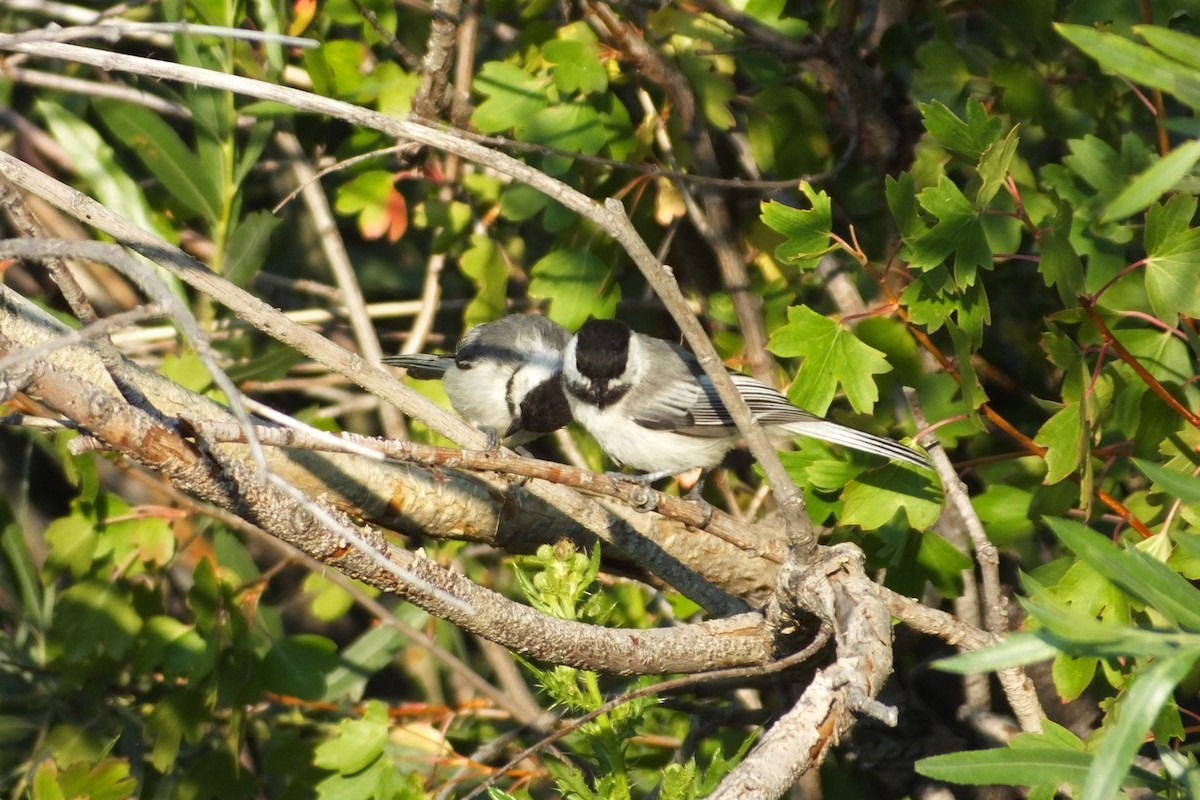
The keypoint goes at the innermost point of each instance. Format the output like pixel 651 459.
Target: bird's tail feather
pixel 421 366
pixel 849 437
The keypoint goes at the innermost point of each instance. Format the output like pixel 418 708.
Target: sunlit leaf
pixel 833 357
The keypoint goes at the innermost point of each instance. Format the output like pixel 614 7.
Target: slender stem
pixel 1192 418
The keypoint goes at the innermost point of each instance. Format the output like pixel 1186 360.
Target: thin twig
pixel 338 260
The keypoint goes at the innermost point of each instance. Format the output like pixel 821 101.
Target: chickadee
pixel 504 378
pixel 649 405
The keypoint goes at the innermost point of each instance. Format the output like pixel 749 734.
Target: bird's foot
pixel 493 438
pixel 644 499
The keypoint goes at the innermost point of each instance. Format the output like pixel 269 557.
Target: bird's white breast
pixel 631 445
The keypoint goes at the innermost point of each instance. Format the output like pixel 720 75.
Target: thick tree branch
pixel 610 218
pixel 232 484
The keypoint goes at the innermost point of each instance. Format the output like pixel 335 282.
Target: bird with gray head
pixel 649 405
pixel 504 377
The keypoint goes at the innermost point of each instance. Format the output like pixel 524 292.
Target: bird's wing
pixel 675 397
pixel 771 408
pixel 492 341
pixel 774 410
pixel 421 366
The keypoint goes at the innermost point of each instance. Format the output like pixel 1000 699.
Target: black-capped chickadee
pixel 504 378
pixel 649 405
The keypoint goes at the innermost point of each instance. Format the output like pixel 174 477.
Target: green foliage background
pixel 1017 202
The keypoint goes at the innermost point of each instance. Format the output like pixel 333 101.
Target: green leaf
pixel 577 68
pixel 1072 675
pixel 247 247
pixel 159 147
pixel 373 650
pixel 993 167
pixel 970 137
pixel 573 126
pixel 1060 265
pixel 1162 176
pixel 327 600
pixel 513 97
pixel 297 665
pixel 1182 47
pixel 1186 487
pixel 72 542
pixel 174 648
pixel 714 89
pixel 367 196
pixel 833 355
pixel 1138 574
pixel 45 782
pixel 107 780
pixel 357 742
pixel 973 394
pixel 520 202
pixel 577 284
pixel 1064 437
pixel 1004 511
pixel 1136 62
pixel 484 263
pixel 1026 766
pixel 95 617
pixel 1139 706
pixel 958 232
pixel 1015 650
pixel 1168 220
pixel 873 499
pixel 182 714
pixel 97 163
pixel 807 231
pixel 1171 269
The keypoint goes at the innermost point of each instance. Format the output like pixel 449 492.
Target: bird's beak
pixel 512 429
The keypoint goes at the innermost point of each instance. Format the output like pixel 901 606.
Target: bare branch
pixel 733 641
pixel 835 589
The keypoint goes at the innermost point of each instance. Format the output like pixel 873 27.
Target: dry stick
pixel 301 316
pixel 429 102
pixel 154 288
pixel 799 740
pixel 933 621
pixel 736 641
pixel 586 513
pixel 31 227
pixel 995 612
pixel 701 647
pixel 338 260
pixel 610 218
pixel 716 224
pixel 100 328
pixel 431 98
pixel 974 606
pixel 64 83
pixel 1015 683
pixel 673 685
pixel 360 598
pixel 708 520
pixel 977 687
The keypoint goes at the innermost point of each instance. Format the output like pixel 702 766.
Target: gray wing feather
pixel 688 403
